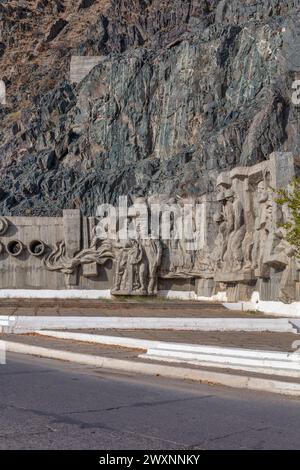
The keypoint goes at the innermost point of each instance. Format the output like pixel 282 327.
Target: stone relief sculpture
pixel 251 244
pixel 281 256
pixel 248 242
pixel 240 243
pixel 234 254
pixel 136 263
pixel 262 229
pixel 153 250
pixel 58 260
pixel 3 225
pixel 223 232
pixel 130 269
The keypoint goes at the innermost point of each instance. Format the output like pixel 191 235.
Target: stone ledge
pixel 235 277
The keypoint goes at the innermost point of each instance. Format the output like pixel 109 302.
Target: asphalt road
pixel 48 404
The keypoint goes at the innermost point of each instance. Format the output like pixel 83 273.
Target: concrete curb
pixel 271 368
pixel 137 343
pixel 250 360
pixel 22 324
pixel 202 376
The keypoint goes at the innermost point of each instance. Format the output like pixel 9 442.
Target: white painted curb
pixel 147 344
pixel 217 378
pixel 22 324
pixel 259 366
pixel 258 361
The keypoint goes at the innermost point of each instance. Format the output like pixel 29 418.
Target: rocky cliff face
pixel 185 89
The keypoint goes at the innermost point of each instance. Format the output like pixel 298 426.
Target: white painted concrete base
pixel 227 360
pixel 191 295
pixel 54 294
pixel 255 304
pixel 177 295
pixel 219 297
pixel 182 373
pixel 21 324
pixel 98 294
pixel 272 308
pixel 90 294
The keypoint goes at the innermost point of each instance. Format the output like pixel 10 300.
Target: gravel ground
pixel 141 308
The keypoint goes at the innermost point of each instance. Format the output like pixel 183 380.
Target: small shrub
pixel 291 197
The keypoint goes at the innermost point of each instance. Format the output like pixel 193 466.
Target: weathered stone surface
pixel 56 28
pixel 186 89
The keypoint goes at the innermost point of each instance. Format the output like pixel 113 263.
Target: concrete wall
pixel 81 66
pixel 26 271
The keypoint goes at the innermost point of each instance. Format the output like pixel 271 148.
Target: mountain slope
pixel 184 90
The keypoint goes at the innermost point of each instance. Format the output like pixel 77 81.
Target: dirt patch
pixel 127 308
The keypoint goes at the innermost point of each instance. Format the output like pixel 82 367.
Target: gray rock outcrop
pixel 186 89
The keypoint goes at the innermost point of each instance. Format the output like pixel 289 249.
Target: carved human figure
pixel 227 227
pixel 248 241
pixel 287 287
pixel 284 253
pixel 153 251
pixel 263 225
pixel 130 268
pixel 234 254
pixel 136 268
pixel 276 249
pixel 95 236
pixel 121 266
pixel 222 237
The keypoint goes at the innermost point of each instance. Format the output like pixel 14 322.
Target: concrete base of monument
pixel 273 308
pixel 54 294
pixel 279 309
pixel 98 294
pixel 191 295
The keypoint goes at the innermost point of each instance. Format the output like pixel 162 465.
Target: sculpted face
pixel 221 196
pixel 230 195
pixel 262 194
